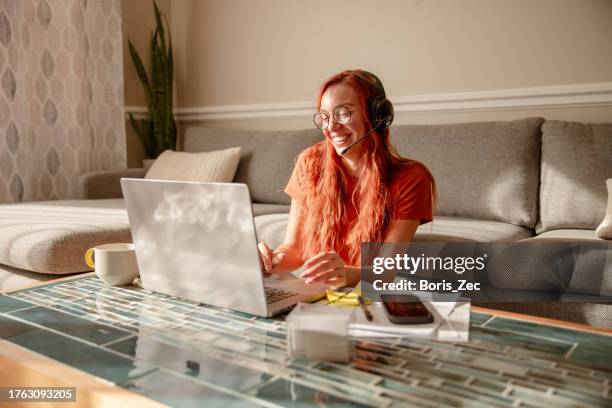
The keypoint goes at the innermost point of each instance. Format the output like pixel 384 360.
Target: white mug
pixel 115 264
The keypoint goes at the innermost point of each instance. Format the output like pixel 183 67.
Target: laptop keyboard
pixel 274 295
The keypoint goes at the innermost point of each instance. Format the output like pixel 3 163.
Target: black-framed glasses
pixel 341 115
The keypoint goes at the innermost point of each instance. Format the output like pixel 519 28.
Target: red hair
pixel 326 181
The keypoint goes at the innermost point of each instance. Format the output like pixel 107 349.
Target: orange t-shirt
pixel 411 185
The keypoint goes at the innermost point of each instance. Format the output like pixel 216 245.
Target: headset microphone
pixel 346 149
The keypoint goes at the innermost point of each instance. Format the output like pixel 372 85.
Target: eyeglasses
pixel 341 115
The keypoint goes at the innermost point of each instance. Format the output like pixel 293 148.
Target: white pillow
pixel 215 166
pixel 604 231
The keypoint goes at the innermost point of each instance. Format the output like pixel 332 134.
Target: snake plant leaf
pixel 157 115
pixel 142 73
pixel 160 86
pixel 144 130
pixel 160 26
pixel 169 76
pixel 158 132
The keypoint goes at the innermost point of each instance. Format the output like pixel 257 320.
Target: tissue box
pixel 319 332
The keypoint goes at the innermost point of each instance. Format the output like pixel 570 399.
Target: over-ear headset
pixel 380 109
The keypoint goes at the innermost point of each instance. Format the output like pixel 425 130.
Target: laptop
pixel 197 241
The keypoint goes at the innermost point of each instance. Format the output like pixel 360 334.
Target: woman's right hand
pixel 269 259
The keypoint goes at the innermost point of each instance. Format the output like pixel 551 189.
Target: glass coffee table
pixel 127 346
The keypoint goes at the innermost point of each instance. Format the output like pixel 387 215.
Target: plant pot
pixel 147 163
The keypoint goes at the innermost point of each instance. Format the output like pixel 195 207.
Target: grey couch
pixel 508 181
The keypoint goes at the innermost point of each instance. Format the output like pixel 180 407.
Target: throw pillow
pixel 215 166
pixel 604 231
pixel 575 164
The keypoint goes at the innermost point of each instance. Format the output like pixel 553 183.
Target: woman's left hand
pixel 326 268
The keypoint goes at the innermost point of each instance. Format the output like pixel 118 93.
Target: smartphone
pixel 406 309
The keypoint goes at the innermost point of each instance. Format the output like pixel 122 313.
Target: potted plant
pixel 157 132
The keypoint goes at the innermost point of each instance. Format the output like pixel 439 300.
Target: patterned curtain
pixel 61 95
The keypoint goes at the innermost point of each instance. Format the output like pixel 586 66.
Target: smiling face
pixel 342 136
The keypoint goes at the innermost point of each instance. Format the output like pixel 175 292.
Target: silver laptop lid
pixel 196 241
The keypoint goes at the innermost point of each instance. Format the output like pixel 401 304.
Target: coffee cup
pixel 115 264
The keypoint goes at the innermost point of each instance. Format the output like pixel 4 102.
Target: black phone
pixel 406 309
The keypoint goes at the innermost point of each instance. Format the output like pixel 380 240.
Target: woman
pixel 350 188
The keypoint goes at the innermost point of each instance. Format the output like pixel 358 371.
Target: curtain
pixel 61 95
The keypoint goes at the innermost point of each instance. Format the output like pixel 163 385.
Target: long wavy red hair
pixel 326 183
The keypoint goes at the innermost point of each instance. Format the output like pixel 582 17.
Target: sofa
pixel 506 181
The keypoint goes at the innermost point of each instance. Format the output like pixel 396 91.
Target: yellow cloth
pixel 344 298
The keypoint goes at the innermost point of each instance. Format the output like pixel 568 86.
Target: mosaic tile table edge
pixel 181 354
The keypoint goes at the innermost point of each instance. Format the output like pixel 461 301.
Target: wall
pixel 258 64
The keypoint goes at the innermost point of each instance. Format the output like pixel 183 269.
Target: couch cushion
pixel 216 166
pixel 604 230
pixel 574 261
pixel 486 170
pixel 568 235
pixel 52 236
pixel 271 228
pixel 267 158
pixel 576 161
pixel 263 209
pixel 452 229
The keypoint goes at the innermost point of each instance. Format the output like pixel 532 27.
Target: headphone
pixel 380 109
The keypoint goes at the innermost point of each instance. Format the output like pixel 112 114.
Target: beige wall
pixel 238 51
pixel 273 51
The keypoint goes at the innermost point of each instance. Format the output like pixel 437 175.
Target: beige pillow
pixel 604 231
pixel 215 166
